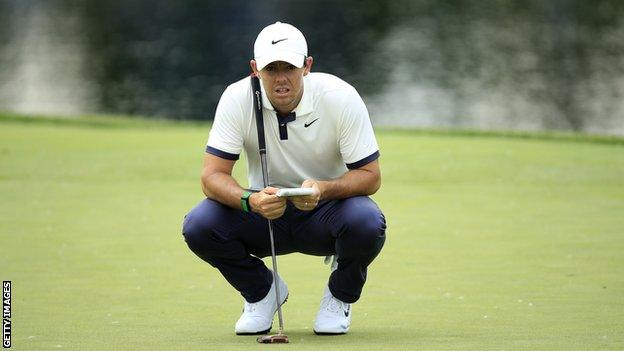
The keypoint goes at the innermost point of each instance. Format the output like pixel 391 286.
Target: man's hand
pixel 308 202
pixel 267 204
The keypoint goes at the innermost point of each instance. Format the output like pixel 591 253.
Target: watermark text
pixel 6 314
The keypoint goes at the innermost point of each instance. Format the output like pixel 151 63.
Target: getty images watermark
pixel 6 314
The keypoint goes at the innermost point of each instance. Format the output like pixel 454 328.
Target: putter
pixel 280 337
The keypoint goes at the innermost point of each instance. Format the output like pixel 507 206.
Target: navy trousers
pixel 233 241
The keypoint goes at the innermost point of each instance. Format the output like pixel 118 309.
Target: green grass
pixel 495 242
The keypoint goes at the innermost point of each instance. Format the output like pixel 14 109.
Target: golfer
pixel 318 136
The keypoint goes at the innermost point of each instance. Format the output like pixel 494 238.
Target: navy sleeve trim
pixel 363 162
pixel 222 154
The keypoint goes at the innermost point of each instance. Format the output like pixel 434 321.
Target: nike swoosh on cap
pixel 277 41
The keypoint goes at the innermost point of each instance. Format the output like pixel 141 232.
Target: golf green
pixel 493 243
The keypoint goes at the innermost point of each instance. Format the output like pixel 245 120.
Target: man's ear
pixel 308 65
pixel 254 67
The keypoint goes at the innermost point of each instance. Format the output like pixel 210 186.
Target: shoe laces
pixel 334 305
pixel 251 307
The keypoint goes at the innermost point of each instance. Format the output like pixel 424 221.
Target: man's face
pixel 283 83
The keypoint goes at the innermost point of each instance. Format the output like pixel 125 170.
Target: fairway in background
pixel 493 243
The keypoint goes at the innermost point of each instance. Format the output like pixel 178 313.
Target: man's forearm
pixel 353 183
pixel 223 188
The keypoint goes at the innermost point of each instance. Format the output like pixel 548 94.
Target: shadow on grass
pixel 355 338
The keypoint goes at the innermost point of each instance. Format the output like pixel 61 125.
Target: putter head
pixel 273 339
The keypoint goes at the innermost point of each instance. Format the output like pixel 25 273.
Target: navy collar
pixel 283 120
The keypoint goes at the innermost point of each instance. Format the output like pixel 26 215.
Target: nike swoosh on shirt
pixel 346 313
pixel 277 41
pixel 306 125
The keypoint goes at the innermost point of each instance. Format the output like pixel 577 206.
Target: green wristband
pixel 245 201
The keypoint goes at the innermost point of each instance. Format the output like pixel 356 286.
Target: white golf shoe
pixel 257 317
pixel 334 316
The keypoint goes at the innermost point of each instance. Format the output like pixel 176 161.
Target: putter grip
pixel 257 102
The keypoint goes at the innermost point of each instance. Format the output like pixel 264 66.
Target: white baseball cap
pixel 280 42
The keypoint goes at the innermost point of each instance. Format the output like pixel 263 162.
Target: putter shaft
pixel 255 82
pixel 265 177
pixel 275 275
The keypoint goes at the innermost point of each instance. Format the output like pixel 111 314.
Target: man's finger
pixel 270 190
pixel 273 199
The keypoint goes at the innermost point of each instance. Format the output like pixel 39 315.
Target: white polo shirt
pixel 329 133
